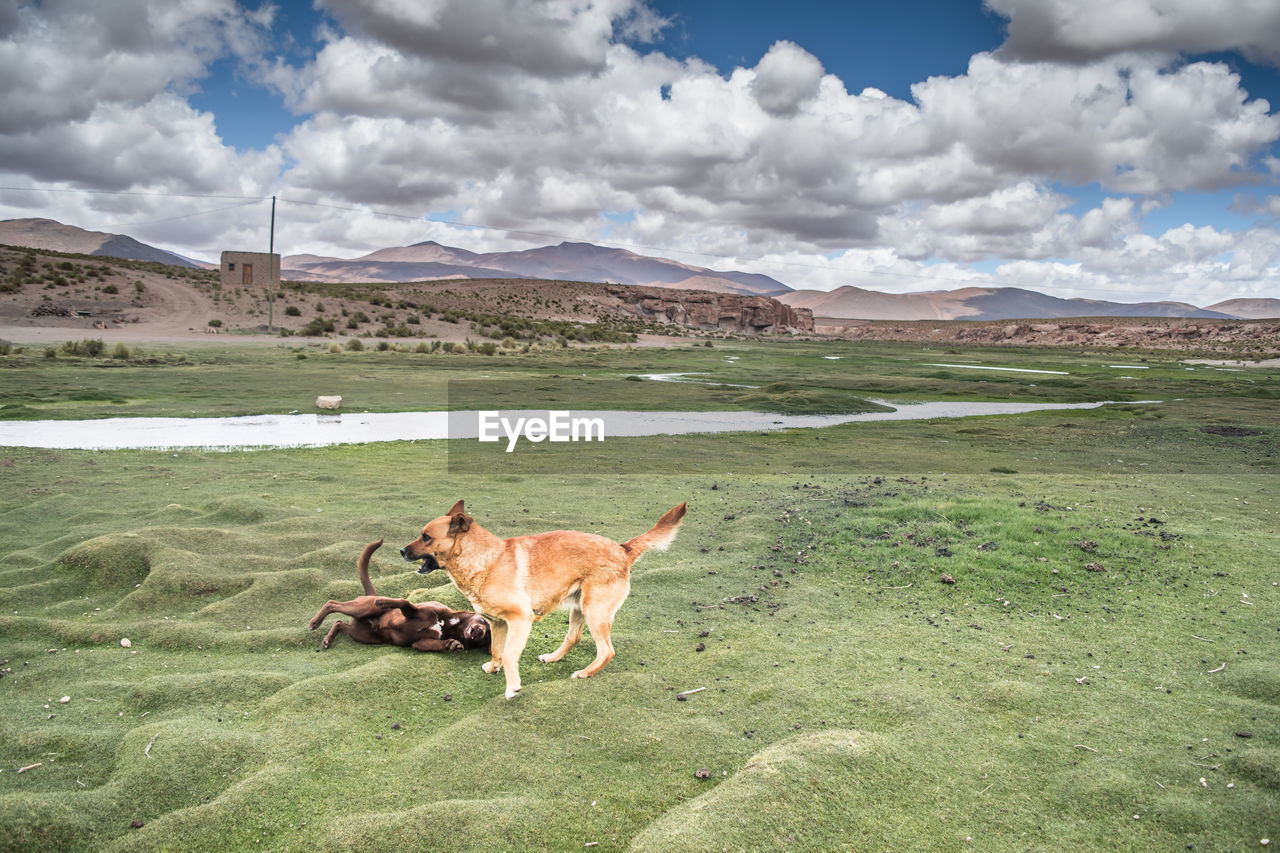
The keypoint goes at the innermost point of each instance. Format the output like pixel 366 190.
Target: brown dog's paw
pixel 452 645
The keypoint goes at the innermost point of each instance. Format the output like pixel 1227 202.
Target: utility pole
pixel 272 270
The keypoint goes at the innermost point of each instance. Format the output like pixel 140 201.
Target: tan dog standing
pixel 515 582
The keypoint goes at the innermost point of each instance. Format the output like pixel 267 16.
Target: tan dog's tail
pixel 659 536
pixel 363 566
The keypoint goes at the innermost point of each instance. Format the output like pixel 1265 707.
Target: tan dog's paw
pixel 548 658
pixel 582 673
pixel 513 692
pixel 491 666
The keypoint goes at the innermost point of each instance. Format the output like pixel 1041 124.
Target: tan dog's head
pixel 438 539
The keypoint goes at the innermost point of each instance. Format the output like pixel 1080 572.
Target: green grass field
pixel 1006 633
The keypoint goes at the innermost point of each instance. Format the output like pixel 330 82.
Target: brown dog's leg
pixel 446 645
pixel 404 605
pixel 333 632
pixel 497 641
pixel 357 630
pixel 330 606
pixel 363 607
pixel 576 621
pixel 517 636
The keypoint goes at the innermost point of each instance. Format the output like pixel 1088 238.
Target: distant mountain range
pixel 53 235
pixel 567 262
pixel 1004 303
pixel 588 262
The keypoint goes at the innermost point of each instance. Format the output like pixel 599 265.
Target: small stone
pixel 125 642
pixel 704 773
pixel 701 647
pixel 136 824
pixel 65 699
pixel 947 579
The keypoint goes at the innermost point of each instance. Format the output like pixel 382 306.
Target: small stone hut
pixel 250 269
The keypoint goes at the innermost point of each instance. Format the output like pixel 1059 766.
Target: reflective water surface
pixel 268 431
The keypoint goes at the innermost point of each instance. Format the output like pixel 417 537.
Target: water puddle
pixel 281 431
pixel 680 377
pixel 1009 369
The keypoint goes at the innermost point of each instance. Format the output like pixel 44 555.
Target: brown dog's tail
pixel 659 536
pixel 363 566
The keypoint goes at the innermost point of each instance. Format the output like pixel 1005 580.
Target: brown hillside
pixel 48 295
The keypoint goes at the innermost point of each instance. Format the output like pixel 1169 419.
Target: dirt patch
pixel 1230 431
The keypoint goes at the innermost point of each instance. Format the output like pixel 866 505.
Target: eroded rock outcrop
pixel 700 309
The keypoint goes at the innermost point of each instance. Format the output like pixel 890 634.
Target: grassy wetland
pixel 999 633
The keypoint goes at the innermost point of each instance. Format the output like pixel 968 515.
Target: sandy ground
pixel 1271 363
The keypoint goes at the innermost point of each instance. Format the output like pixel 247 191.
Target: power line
pixel 183 216
pixel 131 193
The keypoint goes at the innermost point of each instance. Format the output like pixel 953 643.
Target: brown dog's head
pixel 471 629
pixel 437 539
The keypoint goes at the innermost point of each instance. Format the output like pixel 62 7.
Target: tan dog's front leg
pixel 517 636
pixel 497 641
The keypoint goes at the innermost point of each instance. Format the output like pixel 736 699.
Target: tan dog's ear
pixel 457 508
pixel 459 523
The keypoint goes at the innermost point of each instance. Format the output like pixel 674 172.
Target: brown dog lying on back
pixel 427 627
pixel 514 582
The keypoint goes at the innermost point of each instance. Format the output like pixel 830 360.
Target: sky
pixel 1102 149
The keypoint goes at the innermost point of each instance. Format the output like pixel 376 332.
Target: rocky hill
pixel 1237 338
pixel 706 310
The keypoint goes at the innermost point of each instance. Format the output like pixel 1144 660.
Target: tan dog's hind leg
pixel 576 621
pixel 517 636
pixel 599 607
pixel 604 649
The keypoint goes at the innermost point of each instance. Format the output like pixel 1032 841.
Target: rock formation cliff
pixel 730 312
